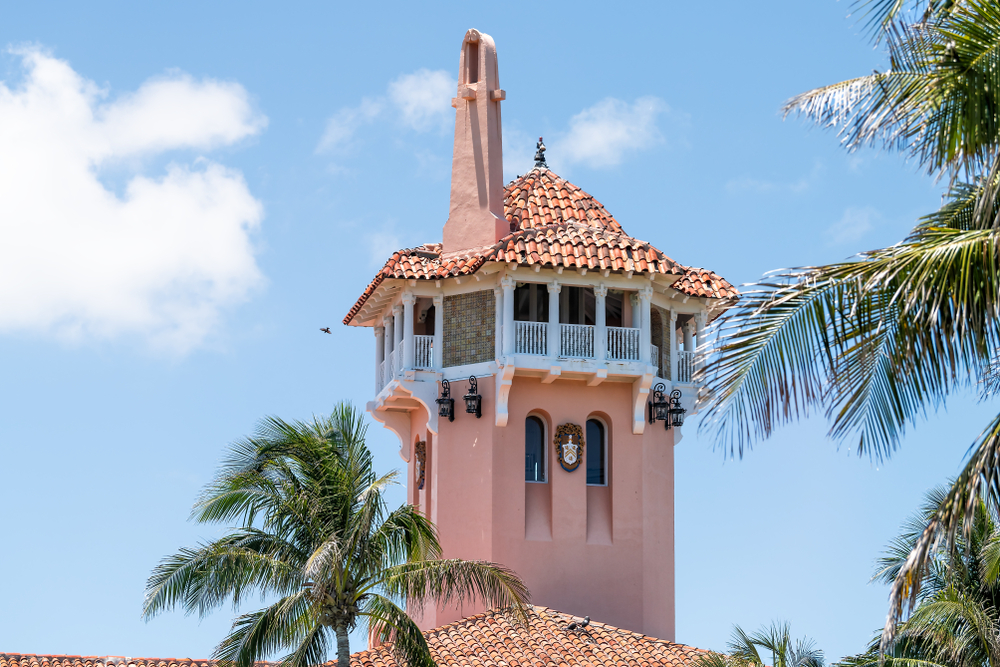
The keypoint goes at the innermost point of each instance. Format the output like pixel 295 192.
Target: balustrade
pixel 531 337
pixel 685 365
pixel 423 352
pixel 576 340
pixel 623 343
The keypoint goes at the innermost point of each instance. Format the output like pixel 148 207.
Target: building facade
pixel 558 327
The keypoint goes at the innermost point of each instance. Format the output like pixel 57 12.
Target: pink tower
pixel 519 362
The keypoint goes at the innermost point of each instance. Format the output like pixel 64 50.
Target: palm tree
pixel 744 650
pixel 314 532
pixel 956 618
pixel 874 341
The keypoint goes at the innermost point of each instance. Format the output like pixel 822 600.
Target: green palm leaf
pixel 314 530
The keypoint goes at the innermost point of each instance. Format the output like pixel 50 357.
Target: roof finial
pixel 540 155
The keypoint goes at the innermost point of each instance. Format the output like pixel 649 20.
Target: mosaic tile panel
pixel 469 328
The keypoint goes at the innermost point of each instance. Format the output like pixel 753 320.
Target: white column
pixel 387 325
pixel 633 298
pixel 552 335
pixel 397 335
pixel 408 352
pixel 507 283
pixel 438 332
pixel 379 356
pixel 688 328
pixel 498 323
pixel 673 345
pixel 645 335
pixel 600 320
pixel 700 321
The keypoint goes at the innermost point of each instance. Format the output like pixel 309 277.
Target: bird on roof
pixel 325 330
pixel 581 626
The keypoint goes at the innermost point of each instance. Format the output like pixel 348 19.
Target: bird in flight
pixel 325 330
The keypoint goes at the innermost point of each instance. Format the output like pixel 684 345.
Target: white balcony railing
pixel 423 351
pixel 394 358
pixel 576 340
pixel 380 376
pixel 531 337
pixel 623 343
pixel 685 366
pixel 654 358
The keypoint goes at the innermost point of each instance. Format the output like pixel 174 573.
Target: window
pixel 597 453
pixel 577 305
pixel 531 302
pixel 534 450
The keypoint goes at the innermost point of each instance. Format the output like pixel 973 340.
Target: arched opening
pixel 597 454
pixel 534 449
pixel 599 476
pixel 537 494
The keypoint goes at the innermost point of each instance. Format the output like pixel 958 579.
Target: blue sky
pixel 189 191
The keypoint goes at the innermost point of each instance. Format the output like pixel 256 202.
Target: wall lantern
pixel 666 409
pixel 473 401
pixel 658 407
pixel 446 404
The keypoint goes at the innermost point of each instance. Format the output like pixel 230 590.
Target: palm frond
pixel 259 634
pixel 938 102
pixel 201 579
pixel 980 479
pixel 453 581
pixel 392 625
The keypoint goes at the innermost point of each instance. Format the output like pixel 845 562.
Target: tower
pixel 546 330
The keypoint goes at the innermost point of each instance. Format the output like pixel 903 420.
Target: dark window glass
pixel 531 303
pixel 596 445
pixel 577 305
pixel 613 305
pixel 534 450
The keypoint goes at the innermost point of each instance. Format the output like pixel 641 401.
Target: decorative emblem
pixel 569 446
pixel 421 462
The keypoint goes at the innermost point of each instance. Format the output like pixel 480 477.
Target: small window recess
pixel 472 63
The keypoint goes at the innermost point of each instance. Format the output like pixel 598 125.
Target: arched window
pixel 597 453
pixel 534 450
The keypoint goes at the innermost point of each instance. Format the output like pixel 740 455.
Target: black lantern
pixel 675 412
pixel 446 404
pixel 473 401
pixel 658 407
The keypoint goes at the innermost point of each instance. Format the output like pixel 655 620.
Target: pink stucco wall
pixel 620 569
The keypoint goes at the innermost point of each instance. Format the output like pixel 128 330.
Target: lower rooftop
pixel 492 638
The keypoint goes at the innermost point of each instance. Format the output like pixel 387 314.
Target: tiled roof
pixel 493 639
pixel 481 640
pixel 575 246
pixel 702 282
pixel 540 198
pixel 553 223
pixel 32 660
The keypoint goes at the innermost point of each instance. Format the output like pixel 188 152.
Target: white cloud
pixel 381 245
pixel 853 225
pixel 161 259
pixel 603 134
pixel 342 126
pixel 424 99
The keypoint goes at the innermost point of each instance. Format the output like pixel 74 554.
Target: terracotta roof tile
pixel 478 641
pixel 32 660
pixel 553 223
pixel 492 639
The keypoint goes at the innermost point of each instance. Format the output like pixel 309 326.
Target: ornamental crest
pixel 569 446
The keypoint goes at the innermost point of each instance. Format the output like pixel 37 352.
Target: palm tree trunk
pixel 343 646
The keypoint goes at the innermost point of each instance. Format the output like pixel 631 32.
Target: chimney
pixel 476 217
